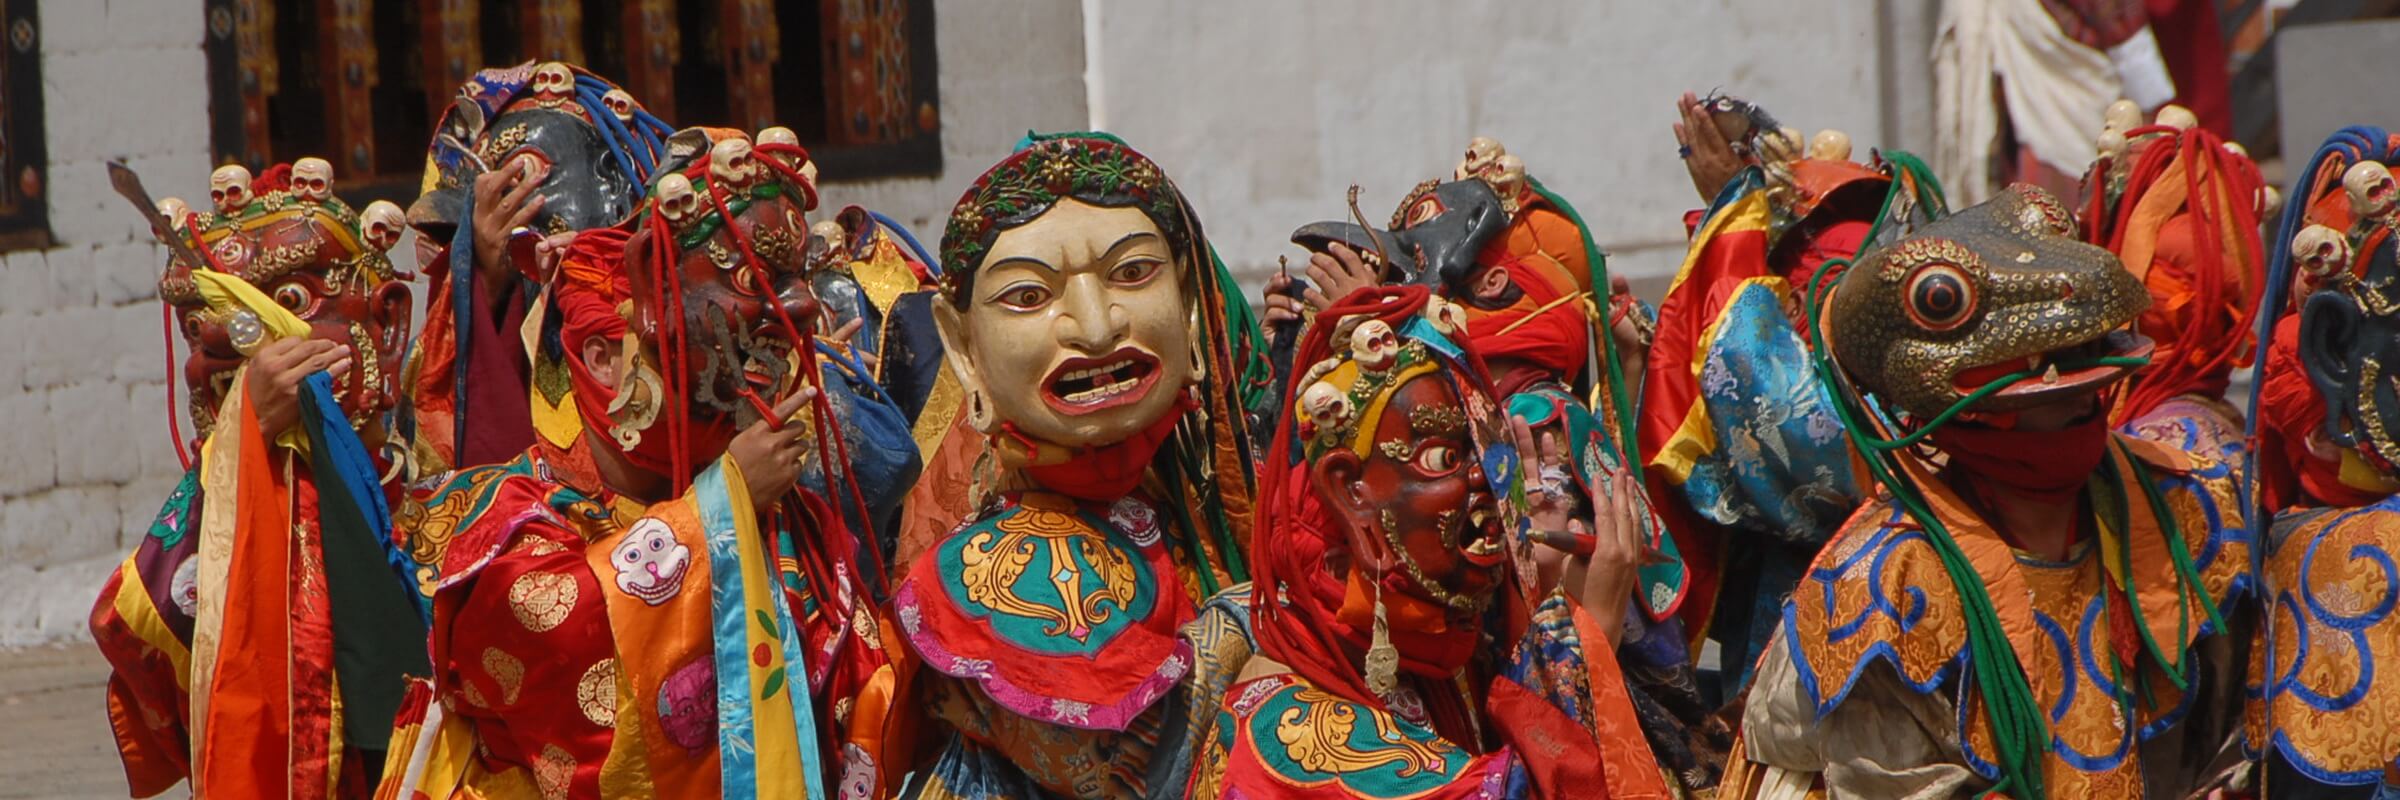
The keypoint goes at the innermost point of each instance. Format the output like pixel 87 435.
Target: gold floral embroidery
pixel 554 772
pixel 505 670
pixel 992 563
pixel 596 693
pixel 542 600
pixel 1317 737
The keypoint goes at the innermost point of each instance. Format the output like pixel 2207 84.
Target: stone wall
pixel 85 457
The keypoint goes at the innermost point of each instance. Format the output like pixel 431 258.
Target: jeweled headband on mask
pixel 1096 168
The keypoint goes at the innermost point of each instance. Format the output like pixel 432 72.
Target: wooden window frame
pixel 25 157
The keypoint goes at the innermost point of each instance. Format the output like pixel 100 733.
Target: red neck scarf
pixel 1102 473
pixel 2050 465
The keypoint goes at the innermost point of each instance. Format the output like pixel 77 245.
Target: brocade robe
pixel 586 645
pixel 1864 690
pixel 2323 668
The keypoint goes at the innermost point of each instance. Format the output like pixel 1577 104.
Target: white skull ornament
pixel 381 224
pixel 2121 116
pixel 553 78
pixel 1374 346
pixel 312 179
pixel 1829 145
pixel 1326 406
pixel 2177 117
pixel 2322 251
pixel 732 162
pixel 176 211
pixel 229 188
pixel 619 103
pixel 781 137
pixel 1481 152
pixel 2370 186
pixel 1507 177
pixel 677 200
pixel 2111 145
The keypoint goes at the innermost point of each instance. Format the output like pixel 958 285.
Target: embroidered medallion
pixel 542 600
pixel 1309 738
pixel 1048 578
pixel 596 693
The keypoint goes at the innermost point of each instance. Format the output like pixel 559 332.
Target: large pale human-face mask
pixel 1076 330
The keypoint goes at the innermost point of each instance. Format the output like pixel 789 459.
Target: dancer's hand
pixel 1337 272
pixel 1706 155
pixel 275 375
pixel 504 201
pixel 770 450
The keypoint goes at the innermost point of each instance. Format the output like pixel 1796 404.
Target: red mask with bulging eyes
pixel 311 257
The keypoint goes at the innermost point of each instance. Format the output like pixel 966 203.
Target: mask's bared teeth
pixel 1486 546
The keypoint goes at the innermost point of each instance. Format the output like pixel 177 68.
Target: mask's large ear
pixel 2329 322
pixel 1336 477
pixel 394 307
pixel 951 324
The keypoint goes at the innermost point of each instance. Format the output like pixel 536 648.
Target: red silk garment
pixel 2291 415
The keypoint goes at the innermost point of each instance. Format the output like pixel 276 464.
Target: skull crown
pixel 312 179
pixel 2370 187
pixel 229 188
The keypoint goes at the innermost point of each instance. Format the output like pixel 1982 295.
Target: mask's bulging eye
pixel 1424 211
pixel 292 298
pixel 1939 297
pixel 1437 459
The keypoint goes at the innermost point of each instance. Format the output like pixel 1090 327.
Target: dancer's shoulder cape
pixel 1879 593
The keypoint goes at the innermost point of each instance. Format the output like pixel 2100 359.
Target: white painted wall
pixel 84 453
pixel 1265 111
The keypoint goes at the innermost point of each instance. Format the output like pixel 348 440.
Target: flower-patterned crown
pixel 1093 167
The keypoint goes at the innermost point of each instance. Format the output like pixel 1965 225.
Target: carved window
pixel 24 162
pixel 359 82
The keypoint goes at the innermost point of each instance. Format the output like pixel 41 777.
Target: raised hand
pixel 1706 155
pixel 769 451
pixel 504 201
pixel 1337 272
pixel 276 371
